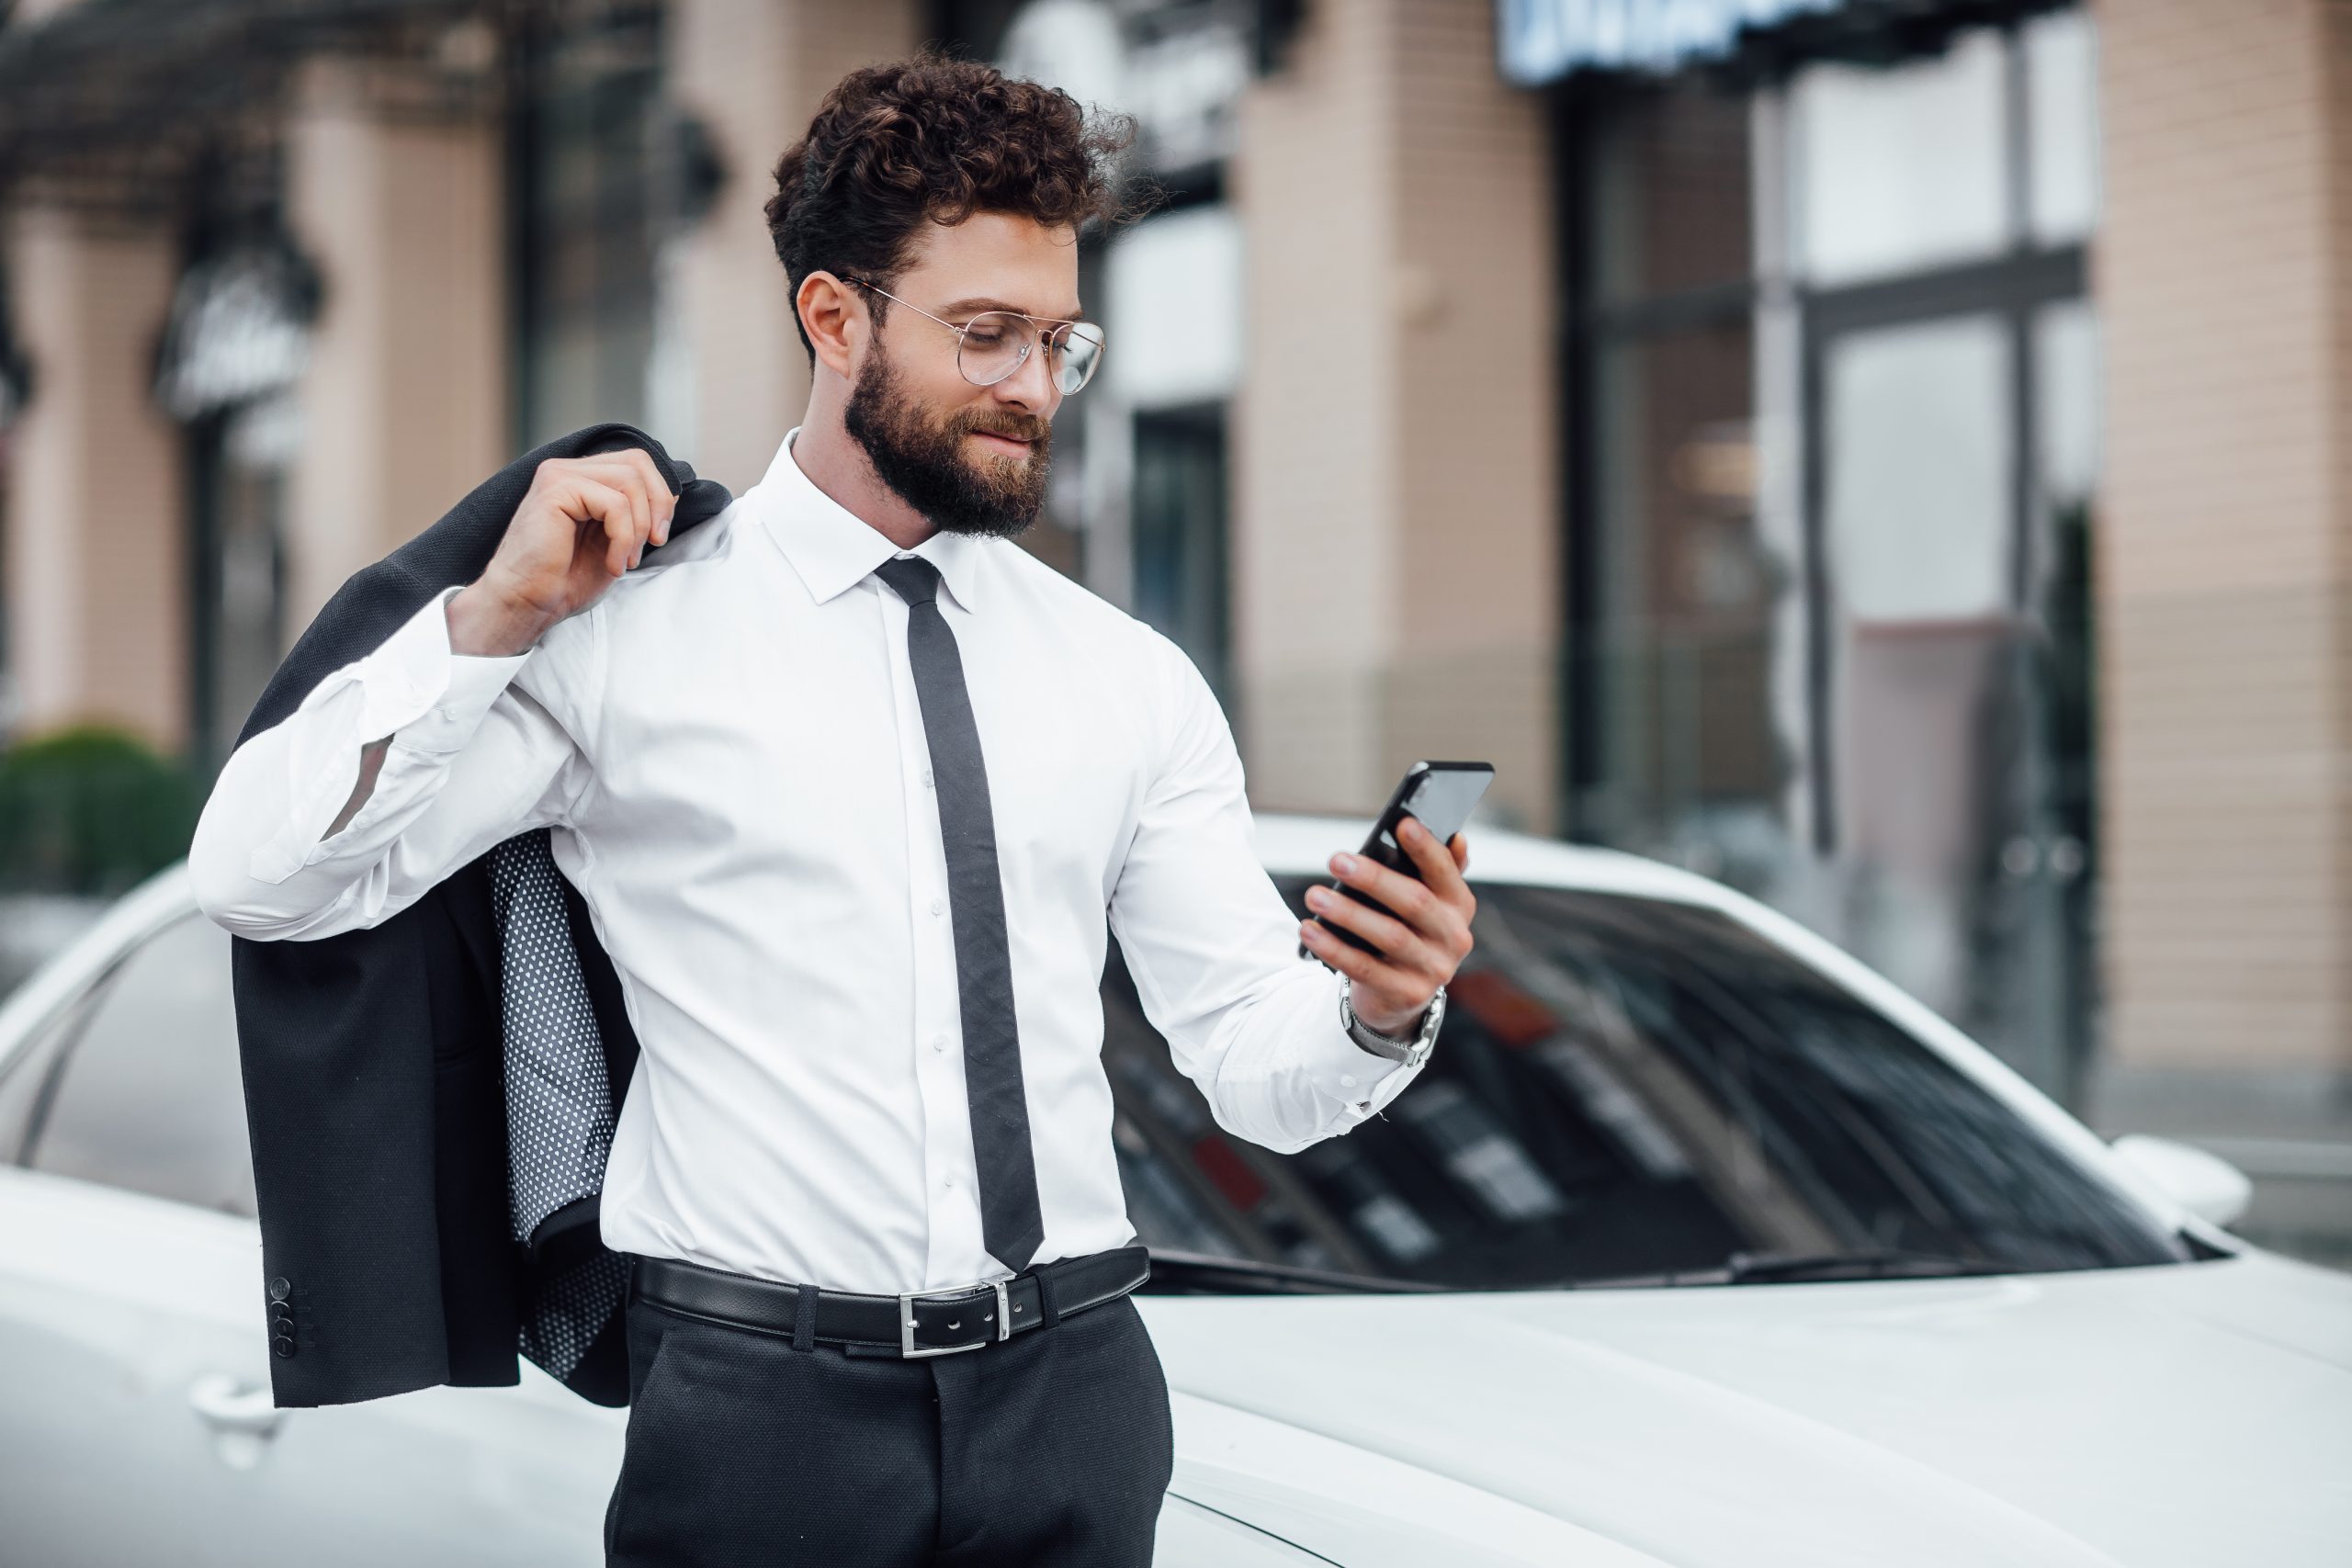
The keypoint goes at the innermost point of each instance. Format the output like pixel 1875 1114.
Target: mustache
pixel 1038 431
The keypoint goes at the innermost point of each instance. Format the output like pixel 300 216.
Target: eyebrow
pixel 985 303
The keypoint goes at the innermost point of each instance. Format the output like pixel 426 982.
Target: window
pixel 239 464
pixel 1832 392
pixel 1625 1086
pixel 1897 170
pixel 29 1086
pixel 1174 289
pixel 584 221
pixel 1675 744
pixel 1179 535
pixel 149 1097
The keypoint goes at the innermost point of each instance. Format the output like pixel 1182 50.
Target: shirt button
pixel 926 778
pixel 938 906
pixel 947 1182
pixel 939 1043
pixel 1347 1080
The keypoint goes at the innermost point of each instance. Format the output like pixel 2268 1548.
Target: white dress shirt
pixel 729 746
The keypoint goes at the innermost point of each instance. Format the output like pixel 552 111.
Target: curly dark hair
pixel 938 139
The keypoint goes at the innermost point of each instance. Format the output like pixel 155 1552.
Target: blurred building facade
pixel 1887 455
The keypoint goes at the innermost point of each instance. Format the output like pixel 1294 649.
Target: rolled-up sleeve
pixel 1214 950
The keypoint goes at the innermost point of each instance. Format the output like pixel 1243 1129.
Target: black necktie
pixel 1011 1223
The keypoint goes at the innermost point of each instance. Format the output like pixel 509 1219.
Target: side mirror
pixel 2206 1185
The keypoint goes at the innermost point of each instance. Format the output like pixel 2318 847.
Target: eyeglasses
pixel 995 343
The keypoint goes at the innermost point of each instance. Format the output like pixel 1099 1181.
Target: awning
pixel 1542 42
pixel 126 87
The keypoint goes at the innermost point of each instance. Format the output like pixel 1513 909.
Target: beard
pixel 923 461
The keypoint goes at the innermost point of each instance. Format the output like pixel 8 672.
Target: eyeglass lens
pixel 996 343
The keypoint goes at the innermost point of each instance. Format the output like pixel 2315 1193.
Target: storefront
pixel 1830 375
pixel 1706 410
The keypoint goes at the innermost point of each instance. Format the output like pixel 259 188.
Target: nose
pixel 1031 387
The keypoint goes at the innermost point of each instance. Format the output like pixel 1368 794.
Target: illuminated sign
pixel 1542 40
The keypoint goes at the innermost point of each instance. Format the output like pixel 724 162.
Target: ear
pixel 834 319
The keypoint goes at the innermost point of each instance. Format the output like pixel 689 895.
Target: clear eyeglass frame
pixel 1074 349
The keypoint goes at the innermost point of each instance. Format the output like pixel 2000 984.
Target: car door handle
pixel 229 1405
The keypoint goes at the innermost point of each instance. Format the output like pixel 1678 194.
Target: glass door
pixel 1951 654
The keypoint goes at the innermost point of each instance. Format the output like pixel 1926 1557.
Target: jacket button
pixel 283 1345
pixel 279 1288
pixel 283 1323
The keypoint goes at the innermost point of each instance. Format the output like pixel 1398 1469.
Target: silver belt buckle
pixel 908 1324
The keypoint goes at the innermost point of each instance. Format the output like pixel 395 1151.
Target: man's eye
pixel 984 333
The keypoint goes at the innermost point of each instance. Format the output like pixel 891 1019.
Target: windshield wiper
pixel 1207 1274
pixel 1769 1267
pixel 1204 1274
pixel 1745 1267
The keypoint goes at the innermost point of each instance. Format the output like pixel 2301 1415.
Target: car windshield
pixel 1624 1090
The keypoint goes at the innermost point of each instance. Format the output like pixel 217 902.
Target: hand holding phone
pixel 1441 795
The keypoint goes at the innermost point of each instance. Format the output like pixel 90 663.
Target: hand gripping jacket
pixel 429 1131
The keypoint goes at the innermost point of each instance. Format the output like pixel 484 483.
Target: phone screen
pixel 1444 797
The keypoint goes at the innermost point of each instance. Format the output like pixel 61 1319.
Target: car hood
pixel 2149 1417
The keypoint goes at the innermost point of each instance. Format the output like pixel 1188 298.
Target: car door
pixel 139 1426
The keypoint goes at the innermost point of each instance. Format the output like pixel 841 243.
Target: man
pixel 849 786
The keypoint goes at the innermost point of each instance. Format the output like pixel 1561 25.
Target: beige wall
pixel 755 71
pixel 97 549
pixel 1396 522
pixel 405 400
pixel 2224 586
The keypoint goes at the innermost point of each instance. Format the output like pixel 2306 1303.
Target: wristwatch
pixel 1411 1050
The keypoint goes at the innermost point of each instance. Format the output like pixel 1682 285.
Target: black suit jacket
pixel 375 1070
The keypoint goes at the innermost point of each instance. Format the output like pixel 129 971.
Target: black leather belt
pixel 924 1322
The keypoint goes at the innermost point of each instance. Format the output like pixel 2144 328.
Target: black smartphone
pixel 1442 796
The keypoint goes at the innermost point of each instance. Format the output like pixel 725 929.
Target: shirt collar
pixel 833 549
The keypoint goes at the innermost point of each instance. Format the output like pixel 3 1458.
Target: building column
pixel 1395 534
pixel 96 549
pixel 405 403
pixel 2224 546
pixel 755 71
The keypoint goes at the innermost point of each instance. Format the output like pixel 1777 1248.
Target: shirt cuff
pixel 428 697
pixel 1362 1083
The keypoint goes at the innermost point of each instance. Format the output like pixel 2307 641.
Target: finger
pixel 1442 923
pixel 591 501
pixel 1469 905
pixel 665 500
pixel 1352 962
pixel 1438 871
pixel 629 479
pixel 1413 903
pixel 644 478
pixel 1388 935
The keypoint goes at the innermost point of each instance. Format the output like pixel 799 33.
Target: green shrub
pixel 91 809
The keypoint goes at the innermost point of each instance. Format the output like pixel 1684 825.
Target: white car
pixel 1698 1245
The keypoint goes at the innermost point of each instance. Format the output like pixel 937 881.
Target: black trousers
pixel 1052 1448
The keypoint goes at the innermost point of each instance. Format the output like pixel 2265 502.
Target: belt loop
pixel 1048 1314
pixel 804 1319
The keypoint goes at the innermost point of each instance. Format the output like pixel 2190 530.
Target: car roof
pixel 1299 843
